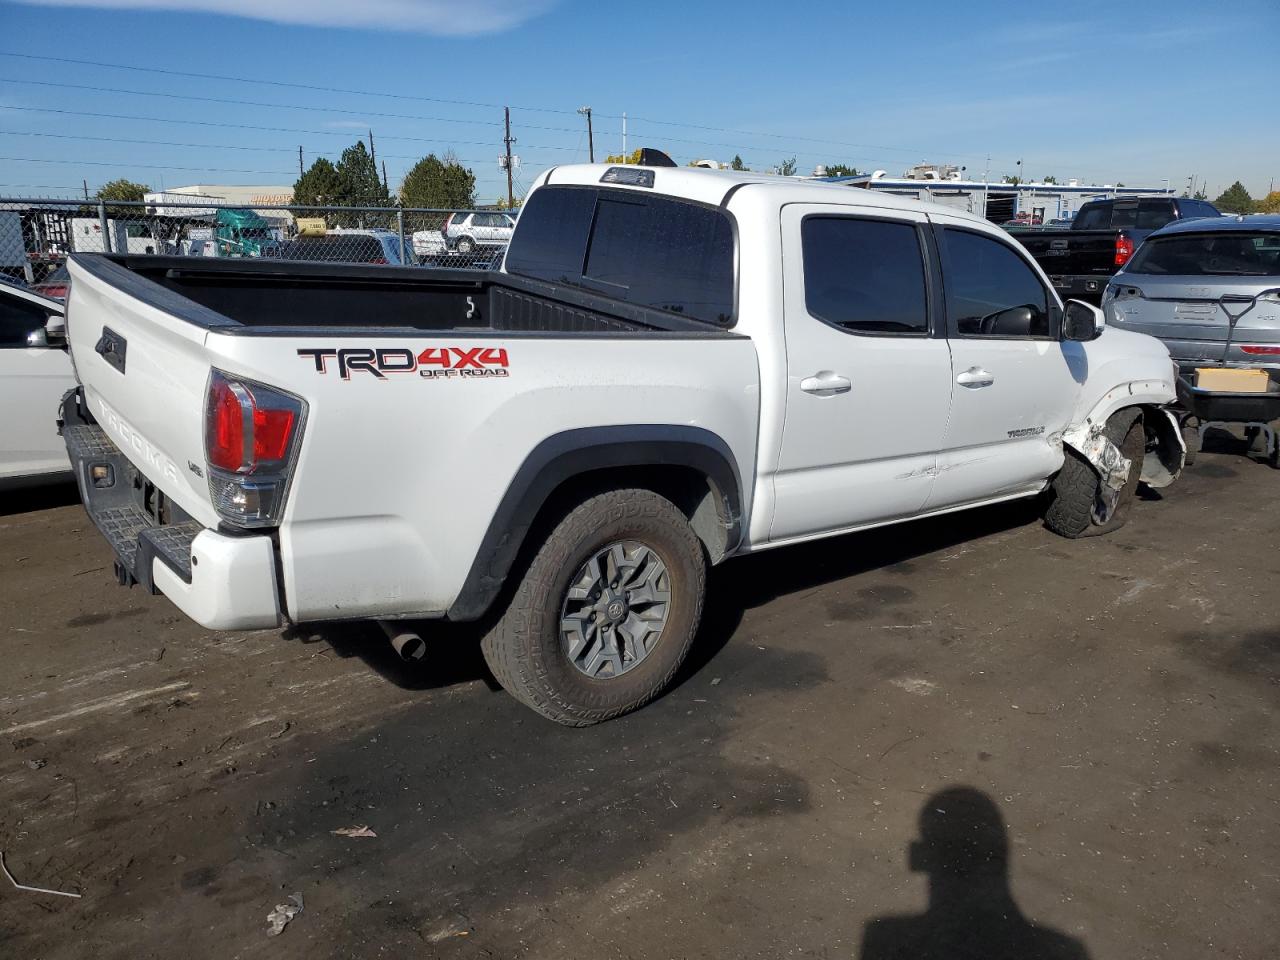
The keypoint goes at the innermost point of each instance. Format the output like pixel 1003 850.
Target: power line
pixel 145 166
pixel 260 81
pixel 226 146
pixel 249 103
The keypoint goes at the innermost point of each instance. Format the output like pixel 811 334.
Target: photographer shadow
pixel 964 851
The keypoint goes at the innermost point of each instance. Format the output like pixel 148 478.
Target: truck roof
pixel 714 186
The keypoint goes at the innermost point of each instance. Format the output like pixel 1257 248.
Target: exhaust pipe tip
pixel 410 646
pixel 407 643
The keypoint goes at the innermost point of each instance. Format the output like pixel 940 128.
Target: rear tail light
pixel 444 227
pixel 381 260
pixel 251 439
pixel 1124 249
pixel 1260 351
pixel 1123 291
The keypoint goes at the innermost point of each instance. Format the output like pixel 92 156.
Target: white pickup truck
pixel 673 367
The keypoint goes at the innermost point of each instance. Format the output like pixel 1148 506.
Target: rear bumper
pixel 1079 287
pixel 222 581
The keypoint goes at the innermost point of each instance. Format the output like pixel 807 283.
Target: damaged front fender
pixel 1090 440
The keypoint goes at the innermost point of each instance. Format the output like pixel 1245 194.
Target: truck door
pixel 868 369
pixel 1016 382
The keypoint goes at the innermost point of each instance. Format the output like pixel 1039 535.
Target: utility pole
pixel 86 188
pixel 301 172
pixel 591 146
pixel 624 137
pixel 508 140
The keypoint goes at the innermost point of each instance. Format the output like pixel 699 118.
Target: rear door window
pixel 651 251
pixel 864 276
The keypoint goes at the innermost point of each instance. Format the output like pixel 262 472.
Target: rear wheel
pixel 1076 509
pixel 606 611
pixel 466 245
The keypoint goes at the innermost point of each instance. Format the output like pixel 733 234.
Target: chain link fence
pixel 37 235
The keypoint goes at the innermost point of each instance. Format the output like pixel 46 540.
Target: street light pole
pixel 591 146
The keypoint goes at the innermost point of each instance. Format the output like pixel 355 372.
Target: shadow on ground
pixel 45 496
pixel 963 849
pixel 453 652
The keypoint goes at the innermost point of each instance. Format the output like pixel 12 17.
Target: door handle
pixel 826 384
pixel 975 377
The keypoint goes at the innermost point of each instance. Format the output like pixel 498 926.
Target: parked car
pixel 1188 281
pixel 346 246
pixel 673 367
pixel 1102 238
pixel 35 371
pixel 54 285
pixel 467 232
pixel 429 245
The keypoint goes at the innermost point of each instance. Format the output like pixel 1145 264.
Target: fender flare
pixel 572 453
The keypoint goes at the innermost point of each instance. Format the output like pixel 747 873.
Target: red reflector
pixel 271 432
pixel 225 429
pixel 377 260
pixel 1124 250
pixel 1261 351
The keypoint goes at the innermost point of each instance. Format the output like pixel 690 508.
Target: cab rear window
pixel 650 251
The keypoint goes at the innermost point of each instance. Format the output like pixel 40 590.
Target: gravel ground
pixel 961 737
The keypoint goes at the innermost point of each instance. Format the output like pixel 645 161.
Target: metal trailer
pixel 1256 412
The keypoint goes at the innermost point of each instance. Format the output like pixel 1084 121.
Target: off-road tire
pixel 1075 489
pixel 524 648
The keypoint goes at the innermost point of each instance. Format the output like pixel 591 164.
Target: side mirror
pixel 52 334
pixel 1081 321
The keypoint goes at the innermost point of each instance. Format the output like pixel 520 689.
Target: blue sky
pixel 1110 92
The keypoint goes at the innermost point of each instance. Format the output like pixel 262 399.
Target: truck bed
pixel 274 298
pixel 432 402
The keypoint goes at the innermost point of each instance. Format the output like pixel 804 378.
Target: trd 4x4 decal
pixel 433 363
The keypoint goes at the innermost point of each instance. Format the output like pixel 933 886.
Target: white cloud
pixel 449 17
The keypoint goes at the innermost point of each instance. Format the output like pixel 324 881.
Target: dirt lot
pixel 866 727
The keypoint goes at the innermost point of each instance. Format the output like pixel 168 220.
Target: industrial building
pixel 998 202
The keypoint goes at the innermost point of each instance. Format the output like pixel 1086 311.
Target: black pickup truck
pixel 1101 239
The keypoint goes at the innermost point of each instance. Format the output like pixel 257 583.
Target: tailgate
pixel 1072 252
pixel 139 351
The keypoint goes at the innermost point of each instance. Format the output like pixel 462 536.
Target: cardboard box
pixel 1226 380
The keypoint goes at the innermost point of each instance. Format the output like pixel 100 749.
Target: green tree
pixel 841 170
pixel 320 186
pixel 787 168
pixel 439 184
pixel 1270 203
pixel 1235 199
pixel 359 173
pixel 633 157
pixel 1010 178
pixel 1049 180
pixel 122 190
pixel 736 163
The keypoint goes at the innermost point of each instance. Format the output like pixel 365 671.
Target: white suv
pixel 468 231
